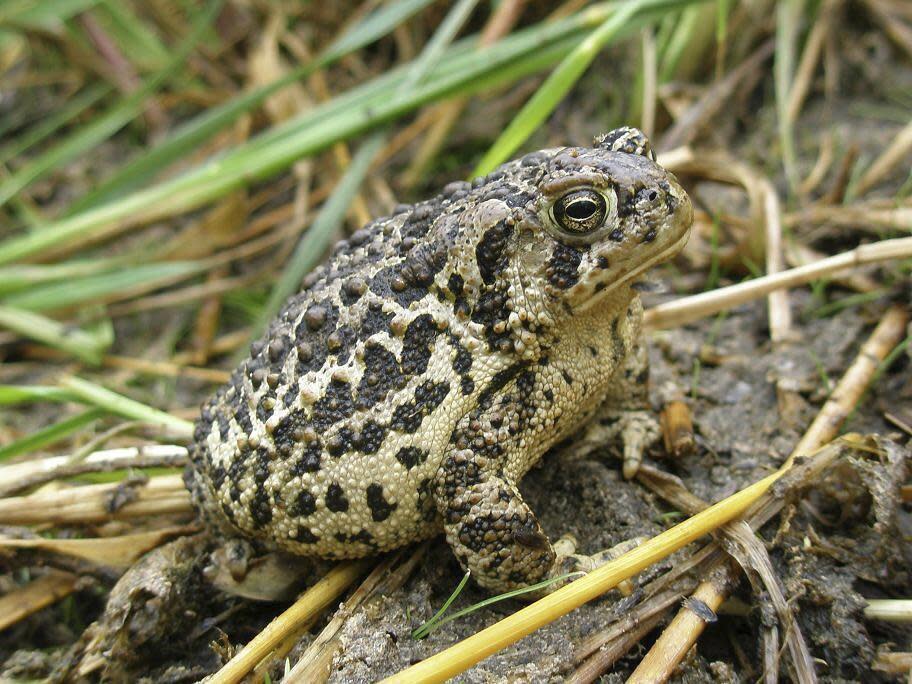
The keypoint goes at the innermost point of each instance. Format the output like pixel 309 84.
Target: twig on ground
pixel 689 309
pixel 103 461
pixel 893 154
pixel 315 664
pixel 159 496
pixel 313 601
pixel 16 478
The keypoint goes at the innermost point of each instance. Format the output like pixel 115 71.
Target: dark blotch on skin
pixel 336 406
pixel 312 336
pixel 380 508
pixel 304 505
pixel 336 501
pixel 455 284
pixel 418 344
pixel 305 536
pixel 371 437
pixel 498 382
pixel 410 456
pixel 309 461
pixel 340 443
pixel 382 375
pixel 374 321
pixel 407 417
pixel 563 266
pixel 260 505
pixel 242 416
pixel 490 253
pixel 362 536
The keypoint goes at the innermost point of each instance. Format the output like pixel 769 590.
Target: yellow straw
pixel 511 629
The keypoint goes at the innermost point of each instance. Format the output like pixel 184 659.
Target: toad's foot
pixel 568 562
pixel 637 430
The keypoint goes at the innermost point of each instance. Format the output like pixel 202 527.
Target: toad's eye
pixel 579 211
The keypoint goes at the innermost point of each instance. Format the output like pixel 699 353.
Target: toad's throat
pixel 657 258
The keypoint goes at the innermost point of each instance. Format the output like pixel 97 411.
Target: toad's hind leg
pixel 494 533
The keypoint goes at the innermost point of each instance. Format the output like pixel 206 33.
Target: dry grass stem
pixel 886 16
pixel 101 461
pixel 151 456
pixel 311 602
pixel 647 609
pixel 687 309
pixel 889 610
pixel 159 496
pixel 813 49
pixel 592 669
pixel 894 153
pixel 37 594
pixel 893 662
pixel 665 655
pixel 797 254
pixel 854 382
pixel 315 664
pixel 780 314
pixel 688 125
pixel 480 645
pixel 115 552
pixel 874 216
pixel 821 167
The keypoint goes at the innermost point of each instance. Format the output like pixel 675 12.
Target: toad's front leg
pixel 494 533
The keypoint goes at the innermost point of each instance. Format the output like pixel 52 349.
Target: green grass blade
pixel 195 132
pixel 788 19
pixel 103 127
pixel 101 287
pixel 45 15
pixel 374 26
pixel 435 47
pixel 50 434
pixel 10 395
pixel 462 72
pixel 438 620
pixel 66 338
pixel 429 626
pixel 134 38
pixel 26 276
pixel 103 398
pixel 556 86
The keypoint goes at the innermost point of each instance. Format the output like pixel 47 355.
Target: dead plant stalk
pixel 311 602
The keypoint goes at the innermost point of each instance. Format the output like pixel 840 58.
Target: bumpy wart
pixel 434 358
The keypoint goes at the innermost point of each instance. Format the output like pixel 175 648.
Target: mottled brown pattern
pixel 434 358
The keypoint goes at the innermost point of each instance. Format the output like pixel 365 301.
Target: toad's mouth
pixel 631 275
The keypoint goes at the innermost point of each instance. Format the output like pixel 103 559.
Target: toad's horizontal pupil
pixel 581 209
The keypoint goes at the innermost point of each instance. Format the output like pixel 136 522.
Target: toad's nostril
pixel 653 196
